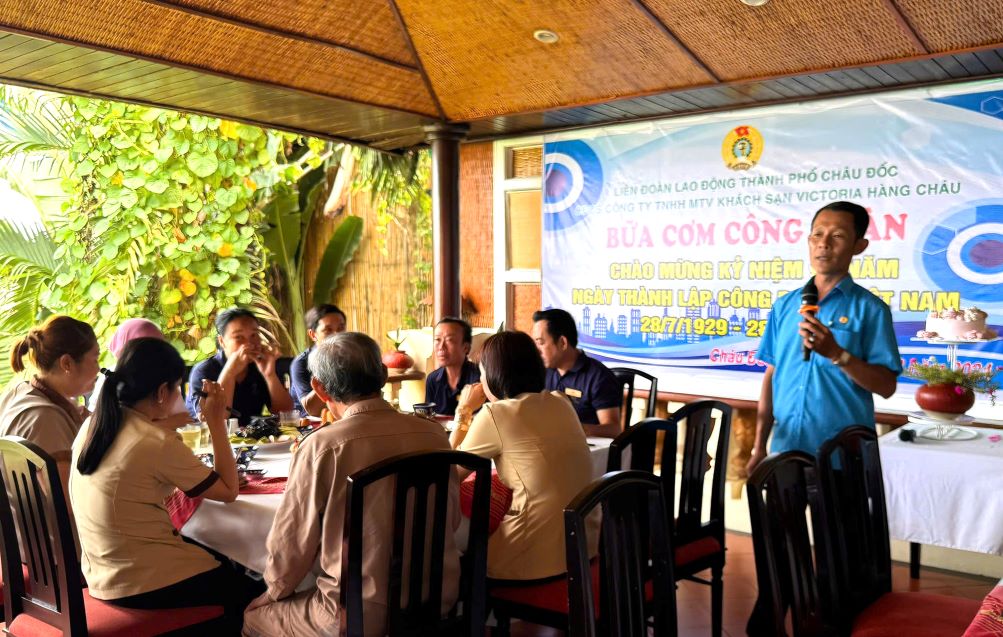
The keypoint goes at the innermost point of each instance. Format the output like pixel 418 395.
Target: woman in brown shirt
pixel 127 459
pixel 44 409
pixel 539 449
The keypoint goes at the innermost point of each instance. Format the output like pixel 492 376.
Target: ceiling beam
pixel 907 26
pixel 693 57
pixel 288 35
pixel 421 65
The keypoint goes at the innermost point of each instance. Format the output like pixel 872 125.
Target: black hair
pixel 559 323
pixel 317 312
pixel 229 315
pixel 145 364
pixel 468 332
pixel 860 217
pixel 512 365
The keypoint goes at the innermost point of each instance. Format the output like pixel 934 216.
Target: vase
pixel 945 401
pixel 397 360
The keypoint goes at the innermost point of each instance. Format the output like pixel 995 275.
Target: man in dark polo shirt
pixel 592 388
pixel 451 345
pixel 322 321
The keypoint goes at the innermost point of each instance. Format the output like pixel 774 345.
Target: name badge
pixel 571 391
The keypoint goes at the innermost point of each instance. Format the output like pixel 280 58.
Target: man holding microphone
pixel 825 362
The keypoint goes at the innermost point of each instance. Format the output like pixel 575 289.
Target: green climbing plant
pixel 164 218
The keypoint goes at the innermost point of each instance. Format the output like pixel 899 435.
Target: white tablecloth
pixel 239 529
pixel 945 493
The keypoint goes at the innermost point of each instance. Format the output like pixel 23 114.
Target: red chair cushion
pixel 551 596
pixel 916 615
pixel 108 620
pixel 693 551
pixel 501 500
pixel 989 621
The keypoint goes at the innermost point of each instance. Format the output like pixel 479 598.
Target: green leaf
pixel 134 180
pixel 204 306
pixel 202 165
pixel 121 141
pixel 157 186
pixel 216 279
pixel 242 216
pixel 84 168
pixel 108 170
pixel 97 290
pixel 170 296
pixel 337 255
pixel 163 154
pixel 229 265
pixel 282 237
pixel 129 198
pixel 207 345
pixel 198 123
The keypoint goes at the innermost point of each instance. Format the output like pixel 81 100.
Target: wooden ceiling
pixel 376 71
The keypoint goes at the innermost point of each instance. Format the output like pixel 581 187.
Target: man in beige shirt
pixel 348 375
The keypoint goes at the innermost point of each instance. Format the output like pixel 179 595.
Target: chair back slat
pixel 34 515
pixel 420 522
pixel 627 377
pixel 635 449
pixel 699 417
pixel 790 574
pixel 850 471
pixel 626 560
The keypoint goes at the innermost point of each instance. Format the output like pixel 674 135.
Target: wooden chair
pixel 699 545
pixel 635 559
pixel 627 378
pixel 33 507
pixel 422 475
pixel 853 493
pixel 789 574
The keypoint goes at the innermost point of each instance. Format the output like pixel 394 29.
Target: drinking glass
pixel 289 418
pixel 205 438
pixel 191 435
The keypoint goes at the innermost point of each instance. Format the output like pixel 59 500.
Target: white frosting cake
pixel 957 325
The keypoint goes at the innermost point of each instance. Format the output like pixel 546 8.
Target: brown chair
pixel 627 377
pixel 425 477
pixel 853 493
pixel 51 599
pixel 699 544
pixel 635 559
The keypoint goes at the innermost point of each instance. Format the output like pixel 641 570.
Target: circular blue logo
pixel 964 252
pixel 572 183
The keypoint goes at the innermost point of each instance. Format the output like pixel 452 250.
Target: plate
pixel 934 417
pixel 953 433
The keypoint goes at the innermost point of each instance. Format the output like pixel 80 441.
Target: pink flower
pixel 994 438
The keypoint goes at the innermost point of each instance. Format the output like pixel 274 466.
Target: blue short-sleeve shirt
pixel 299 378
pixel 438 391
pixel 590 385
pixel 250 396
pixel 814 400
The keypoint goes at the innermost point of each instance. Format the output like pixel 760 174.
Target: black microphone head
pixel 809 293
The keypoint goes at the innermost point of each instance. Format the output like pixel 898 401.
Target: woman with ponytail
pixel 44 409
pixel 127 459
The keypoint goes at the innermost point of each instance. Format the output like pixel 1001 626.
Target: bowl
pixel 425 410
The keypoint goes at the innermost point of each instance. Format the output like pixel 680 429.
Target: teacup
pixel 425 410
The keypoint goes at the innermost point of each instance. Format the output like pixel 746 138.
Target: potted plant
pixel 951 392
pixel 397 359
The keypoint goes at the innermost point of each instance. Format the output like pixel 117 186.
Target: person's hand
pixel 239 360
pixel 265 360
pixel 758 454
pixel 817 337
pixel 213 405
pixel 471 398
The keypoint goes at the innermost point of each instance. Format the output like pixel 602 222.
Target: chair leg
pixel 716 600
pixel 502 626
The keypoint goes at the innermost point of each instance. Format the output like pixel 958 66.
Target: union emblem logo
pixel 742 148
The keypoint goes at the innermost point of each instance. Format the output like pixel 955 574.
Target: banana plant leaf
pixel 337 255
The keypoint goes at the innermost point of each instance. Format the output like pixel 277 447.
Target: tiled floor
pixel 740 593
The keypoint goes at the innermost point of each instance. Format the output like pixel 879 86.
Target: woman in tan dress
pixel 539 449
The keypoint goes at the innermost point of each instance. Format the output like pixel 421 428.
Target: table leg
pixel 743 434
pixel 914 556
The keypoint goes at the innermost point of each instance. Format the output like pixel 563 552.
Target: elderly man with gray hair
pixel 348 375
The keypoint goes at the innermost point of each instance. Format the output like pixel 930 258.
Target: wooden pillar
pixel 445 142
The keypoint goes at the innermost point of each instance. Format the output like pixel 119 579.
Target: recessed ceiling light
pixel 755 3
pixel 546 36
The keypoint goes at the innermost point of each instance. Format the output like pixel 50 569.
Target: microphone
pixel 809 306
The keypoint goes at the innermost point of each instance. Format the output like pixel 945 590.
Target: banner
pixel 670 241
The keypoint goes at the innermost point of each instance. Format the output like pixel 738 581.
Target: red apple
pixel 397 360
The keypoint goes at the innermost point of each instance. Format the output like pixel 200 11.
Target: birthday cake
pixel 957 325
